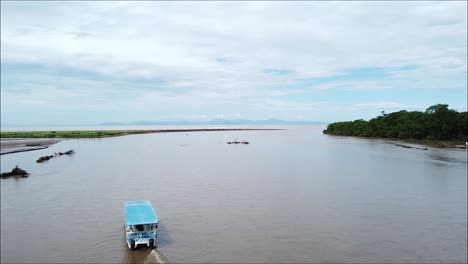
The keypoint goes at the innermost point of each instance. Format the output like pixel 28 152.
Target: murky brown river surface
pixel 290 196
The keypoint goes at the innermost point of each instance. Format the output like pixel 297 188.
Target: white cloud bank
pixel 210 58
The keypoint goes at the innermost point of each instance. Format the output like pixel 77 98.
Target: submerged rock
pixel 16 172
pixel 237 142
pixel 46 158
pixel 410 147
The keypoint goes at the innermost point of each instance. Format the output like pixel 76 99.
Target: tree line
pixel 438 122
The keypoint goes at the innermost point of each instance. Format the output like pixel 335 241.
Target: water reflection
pixel 445 158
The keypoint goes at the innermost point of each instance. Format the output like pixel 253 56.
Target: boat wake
pixel 155 257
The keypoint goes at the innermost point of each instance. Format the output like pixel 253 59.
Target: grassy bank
pixel 106 133
pixel 69 134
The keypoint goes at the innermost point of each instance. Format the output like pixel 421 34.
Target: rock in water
pixel 16 172
pixel 46 158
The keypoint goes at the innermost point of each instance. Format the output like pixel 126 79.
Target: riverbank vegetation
pixel 108 133
pixel 438 122
pixel 69 134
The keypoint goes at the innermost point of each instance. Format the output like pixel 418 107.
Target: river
pixel 292 195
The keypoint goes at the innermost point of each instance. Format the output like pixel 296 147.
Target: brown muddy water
pixel 292 195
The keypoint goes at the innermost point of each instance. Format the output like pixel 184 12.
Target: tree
pixel 437 122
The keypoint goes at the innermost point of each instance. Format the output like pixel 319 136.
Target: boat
pixel 141 224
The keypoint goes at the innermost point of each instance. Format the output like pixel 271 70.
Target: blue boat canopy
pixel 140 213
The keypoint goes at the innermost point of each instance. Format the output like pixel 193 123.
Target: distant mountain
pixel 112 124
pixel 216 122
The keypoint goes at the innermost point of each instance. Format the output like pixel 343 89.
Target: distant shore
pixel 438 126
pixel 20 141
pixel 110 133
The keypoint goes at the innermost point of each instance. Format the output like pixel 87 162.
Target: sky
pixel 84 62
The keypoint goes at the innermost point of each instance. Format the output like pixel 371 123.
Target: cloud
pixel 228 60
pixel 82 34
pixel 176 57
pixel 386 105
pixel 278 71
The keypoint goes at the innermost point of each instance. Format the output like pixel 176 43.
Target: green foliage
pixel 438 122
pixel 69 134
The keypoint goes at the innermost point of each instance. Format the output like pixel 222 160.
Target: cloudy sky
pixel 90 62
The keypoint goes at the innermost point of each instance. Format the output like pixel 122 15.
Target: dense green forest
pixel 438 122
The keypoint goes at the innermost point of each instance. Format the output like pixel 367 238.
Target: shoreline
pixel 22 150
pixel 22 141
pixel 109 133
pixel 16 145
pixel 445 144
